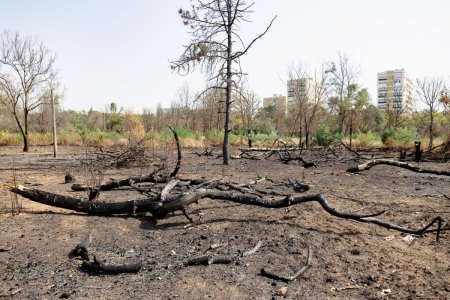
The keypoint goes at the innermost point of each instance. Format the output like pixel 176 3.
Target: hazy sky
pixel 116 50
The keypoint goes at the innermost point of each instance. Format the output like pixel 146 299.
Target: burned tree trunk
pixel 178 202
pixel 370 164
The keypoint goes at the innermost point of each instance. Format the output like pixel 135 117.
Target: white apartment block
pixel 394 91
pixel 304 89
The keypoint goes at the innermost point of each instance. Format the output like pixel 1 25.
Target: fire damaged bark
pixel 368 165
pixel 178 202
pixel 98 266
pixel 152 177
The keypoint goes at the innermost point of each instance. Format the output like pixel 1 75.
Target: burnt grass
pixel 350 260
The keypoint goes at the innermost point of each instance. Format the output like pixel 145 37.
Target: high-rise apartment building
pixel 278 102
pixel 305 89
pixel 394 91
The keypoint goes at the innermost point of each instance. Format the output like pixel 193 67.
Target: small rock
pixel 203 237
pixel 409 238
pixel 281 291
pixel 385 291
pixel 389 238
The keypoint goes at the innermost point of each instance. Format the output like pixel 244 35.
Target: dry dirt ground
pixel 350 260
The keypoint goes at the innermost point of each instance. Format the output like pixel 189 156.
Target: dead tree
pixel 179 201
pixel 215 26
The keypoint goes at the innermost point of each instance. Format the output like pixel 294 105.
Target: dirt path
pixel 350 260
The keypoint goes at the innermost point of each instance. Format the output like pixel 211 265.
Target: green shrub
pixel 406 134
pixel 263 137
pixel 402 135
pixel 325 136
pixel 386 135
pixel 367 139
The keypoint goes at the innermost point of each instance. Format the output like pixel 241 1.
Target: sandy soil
pixel 350 260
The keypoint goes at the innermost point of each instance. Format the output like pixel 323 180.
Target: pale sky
pixel 112 50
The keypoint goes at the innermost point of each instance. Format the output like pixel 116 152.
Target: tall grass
pixel 402 137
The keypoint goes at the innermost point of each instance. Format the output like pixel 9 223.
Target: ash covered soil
pixel 350 260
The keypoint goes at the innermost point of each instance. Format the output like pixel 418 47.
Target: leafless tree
pixel 428 94
pixel 247 106
pixel 212 107
pixel 343 83
pixel 308 94
pixel 185 103
pixel 214 26
pixel 26 69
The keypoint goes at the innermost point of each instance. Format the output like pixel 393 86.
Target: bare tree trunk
pixel 431 129
pixel 226 137
pixel 55 143
pixel 26 146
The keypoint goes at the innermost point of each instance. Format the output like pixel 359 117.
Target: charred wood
pixel 404 165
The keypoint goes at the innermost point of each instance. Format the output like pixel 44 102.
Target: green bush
pixel 325 136
pixel 263 137
pixel 388 133
pixel 403 135
pixel 406 134
pixel 367 138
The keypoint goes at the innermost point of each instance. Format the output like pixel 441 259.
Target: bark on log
pixel 400 164
pixel 209 260
pixel 152 177
pixel 81 249
pixel 173 203
pixel 99 266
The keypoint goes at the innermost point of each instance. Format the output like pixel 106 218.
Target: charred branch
pixel 81 250
pixel 209 260
pixel 275 276
pixel 152 177
pixel 98 266
pixel 404 165
pixel 178 202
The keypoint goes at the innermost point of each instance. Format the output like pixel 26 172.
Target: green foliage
pixel 367 138
pixel 212 134
pixel 388 133
pixel 186 133
pixel 402 135
pixel 362 98
pixel 325 136
pixel 263 137
pixel 406 134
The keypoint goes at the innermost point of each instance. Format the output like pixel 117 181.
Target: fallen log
pixel 368 165
pixel 179 202
pixel 99 266
pixel 209 260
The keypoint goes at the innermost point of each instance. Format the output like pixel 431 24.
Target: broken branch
pixel 272 275
pixel 400 164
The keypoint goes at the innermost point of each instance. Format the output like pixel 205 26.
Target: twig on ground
pixel 253 250
pixel 272 275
